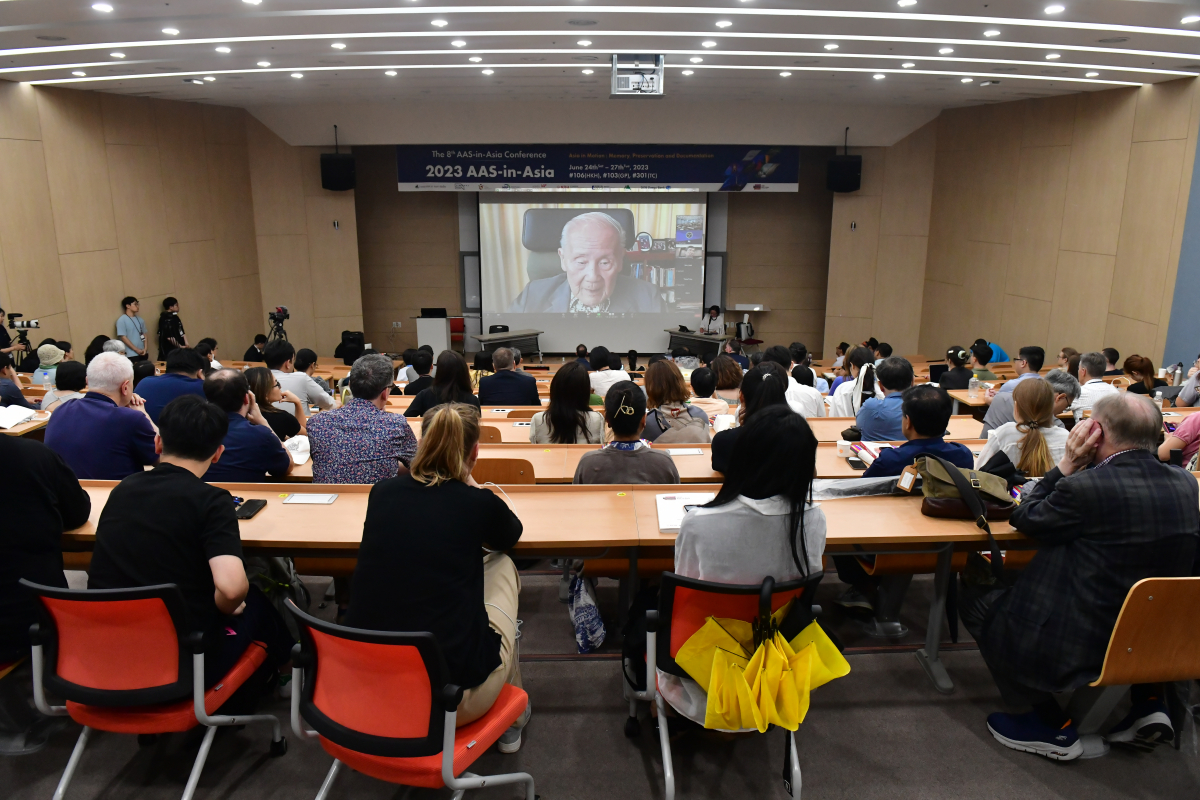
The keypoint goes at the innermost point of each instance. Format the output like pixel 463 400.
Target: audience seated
pixel 1189 395
pixel 581 356
pixel 267 392
pixel 168 526
pixel 804 400
pixel 880 420
pixel 141 371
pixel 1185 437
pixel 925 411
pixel 997 352
pixel 1073 366
pixel 568 419
pixel 1064 357
pixel 671 418
pixel 422 362
pixel 106 434
pixel 452 384
pixel 361 442
pixel 482 367
pixel 882 350
pixel 32 361
pixel 1032 441
pixel 735 352
pixel 507 387
pixel 628 458
pixel 1112 358
pixel 632 358
pixel 184 375
pixel 762 387
pixel 981 356
pixel 10 385
pixel 254 352
pixel 306 362
pixel 603 376
pixel 1092 384
pixel 704 385
pixel 69 382
pixel 802 358
pixel 280 359
pixel 49 356
pixel 1026 365
pixel 957 375
pixel 1140 370
pixel 859 386
pixel 457 584
pixel 1108 515
pixel 252 451
pixel 839 356
pixel 1000 411
pixel 728 373
pixel 94 349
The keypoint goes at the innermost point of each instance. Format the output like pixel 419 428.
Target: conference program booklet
pixel 673 507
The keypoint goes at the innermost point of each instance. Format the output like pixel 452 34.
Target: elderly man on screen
pixel 592 255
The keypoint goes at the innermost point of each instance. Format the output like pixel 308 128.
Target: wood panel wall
pixel 408 251
pixel 877 268
pixel 103 196
pixel 778 255
pixel 1058 221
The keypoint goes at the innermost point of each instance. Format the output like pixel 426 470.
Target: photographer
pixel 6 343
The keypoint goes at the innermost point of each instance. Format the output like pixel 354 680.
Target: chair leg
pixel 329 777
pixel 198 767
pixel 72 763
pixel 792 779
pixel 664 741
pixel 1090 706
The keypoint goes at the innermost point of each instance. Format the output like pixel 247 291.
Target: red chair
pixel 458 331
pixel 381 704
pixel 124 664
pixel 683 606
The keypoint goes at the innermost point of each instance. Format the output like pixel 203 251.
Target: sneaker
pixel 1027 732
pixel 853 598
pixel 510 742
pixel 284 687
pixel 1146 723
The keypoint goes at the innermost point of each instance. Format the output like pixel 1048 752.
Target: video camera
pixel 279 315
pixel 276 318
pixel 15 322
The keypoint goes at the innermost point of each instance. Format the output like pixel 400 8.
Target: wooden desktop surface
pixel 38 423
pixel 829 429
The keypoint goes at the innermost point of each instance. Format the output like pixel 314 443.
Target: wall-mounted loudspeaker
pixel 844 174
pixel 337 171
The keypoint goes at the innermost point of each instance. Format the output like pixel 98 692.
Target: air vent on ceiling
pixel 1005 69
pixel 1113 40
pixel 581 23
pixel 53 38
pixel 585 58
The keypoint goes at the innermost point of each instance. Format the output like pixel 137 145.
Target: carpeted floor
pixel 880 732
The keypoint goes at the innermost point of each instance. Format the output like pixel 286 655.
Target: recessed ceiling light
pixel 879 76
pixel 391 73
pixel 584 43
pixel 195 81
pixel 946 50
pixel 117 55
pixel 908 65
pixel 695 59
pixel 1188 20
pixel 1055 9
pixel 297 74
pixel 587 72
pixel 906 3
pixel 693 72
pixel 475 59
pixel 252 2
pixel 459 43
pixel 785 74
pixel 991 33
pixel 966 80
pixel 831 46
pixel 1052 56
pixel 338 46
pixel 105 7
pixel 223 49
pixel 439 23
pixel 989 83
pixel 709 43
pixel 488 71
pixel 210 78
pixel 1092 75
pixel 264 63
pixel 723 23
pixel 79 73
pixel 171 31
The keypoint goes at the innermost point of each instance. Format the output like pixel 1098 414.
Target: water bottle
pixel 973 387
pixel 1158 399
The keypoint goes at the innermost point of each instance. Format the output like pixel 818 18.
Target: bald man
pixel 592 256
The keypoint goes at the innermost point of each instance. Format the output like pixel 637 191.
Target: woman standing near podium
pixel 713 322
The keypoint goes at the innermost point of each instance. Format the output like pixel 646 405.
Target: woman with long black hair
pixel 764 386
pixel 569 419
pixel 451 384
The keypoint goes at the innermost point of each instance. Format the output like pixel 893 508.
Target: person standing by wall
pixel 170 329
pixel 131 330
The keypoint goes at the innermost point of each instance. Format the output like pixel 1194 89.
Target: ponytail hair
pixel 1033 402
pixel 1143 367
pixel 957 356
pixel 449 433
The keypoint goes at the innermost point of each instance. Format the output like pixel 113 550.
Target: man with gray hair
pixel 106 434
pixel 592 256
pixel 1066 390
pixel 361 442
pixel 1091 375
pixel 507 386
pixel 113 346
pixel 1107 516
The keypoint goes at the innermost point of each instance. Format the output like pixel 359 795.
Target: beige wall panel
pixel 76 165
pixel 956 129
pixel 224 125
pixel 1037 224
pixel 985 286
pixel 141 222
pixel 1025 322
pixel 1082 284
pixel 846 329
pixel 188 204
pixel 128 120
pixel 1163 110
pixel 233 210
pixel 873 161
pixel 379 276
pixel 797 255
pixel 417 297
pixel 1131 336
pixel 908 184
pixel 181 124
pixel 1049 121
pixel 54 326
pixel 899 288
pixel 329 334
pixel 939 331
pixel 18 111
pixel 1147 222
pixel 93 289
pixel 34 282
pixel 992 176
pixel 202 306
pixel 807 274
pixel 333 256
pixel 948 214
pixel 809 298
pixel 852 254
pixel 275 181
pixel 1099 162
pixel 284 280
pixel 783 218
pixel 244 315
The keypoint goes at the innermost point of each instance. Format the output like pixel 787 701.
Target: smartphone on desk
pixel 857 463
pixel 246 509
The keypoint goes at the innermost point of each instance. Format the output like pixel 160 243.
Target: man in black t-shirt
pixel 255 351
pixel 169 526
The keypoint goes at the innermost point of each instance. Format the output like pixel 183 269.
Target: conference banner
pixel 551 167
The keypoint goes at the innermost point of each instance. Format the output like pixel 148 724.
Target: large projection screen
pixel 612 269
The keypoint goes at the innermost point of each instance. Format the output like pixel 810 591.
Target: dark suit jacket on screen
pixel 508 388
pixel 553 296
pixel 1101 531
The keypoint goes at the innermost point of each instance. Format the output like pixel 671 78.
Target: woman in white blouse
pixel 713 322
pixel 568 419
pixel 850 394
pixel 1033 443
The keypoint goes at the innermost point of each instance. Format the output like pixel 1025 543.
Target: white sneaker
pixel 510 742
